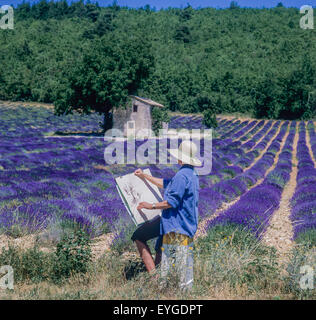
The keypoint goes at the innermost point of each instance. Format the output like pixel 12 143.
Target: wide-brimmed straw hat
pixel 186 153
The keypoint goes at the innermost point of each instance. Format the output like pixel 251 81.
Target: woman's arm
pixel 156 181
pixel 159 205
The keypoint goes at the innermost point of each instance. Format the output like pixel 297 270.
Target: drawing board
pixel 134 190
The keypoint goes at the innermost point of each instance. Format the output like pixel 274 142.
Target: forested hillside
pixel 257 61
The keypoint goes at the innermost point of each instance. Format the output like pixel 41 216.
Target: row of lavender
pixel 24 121
pixel 228 190
pixel 312 135
pixel 237 158
pixel 195 122
pixel 303 201
pixel 234 156
pixel 225 152
pixel 255 208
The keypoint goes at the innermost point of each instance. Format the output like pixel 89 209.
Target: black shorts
pixel 147 231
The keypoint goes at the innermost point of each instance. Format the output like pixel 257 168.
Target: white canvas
pixel 134 190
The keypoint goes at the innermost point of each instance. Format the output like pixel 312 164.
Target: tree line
pixel 86 57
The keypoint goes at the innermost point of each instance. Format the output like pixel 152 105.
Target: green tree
pixel 310 108
pixel 187 13
pixel 159 115
pixel 209 118
pixel 234 5
pixel 183 34
pixel 298 88
pixel 110 70
pixel 265 97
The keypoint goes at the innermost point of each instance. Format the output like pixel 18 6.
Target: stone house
pixel 136 117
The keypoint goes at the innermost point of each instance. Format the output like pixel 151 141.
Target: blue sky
pixel 195 3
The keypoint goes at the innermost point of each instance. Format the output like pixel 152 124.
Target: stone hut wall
pixel 142 117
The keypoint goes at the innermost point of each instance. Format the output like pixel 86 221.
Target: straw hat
pixel 186 153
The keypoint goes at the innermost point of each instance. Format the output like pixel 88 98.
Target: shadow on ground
pixel 77 133
pixel 133 268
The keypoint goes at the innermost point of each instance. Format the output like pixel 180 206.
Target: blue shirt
pixel 182 193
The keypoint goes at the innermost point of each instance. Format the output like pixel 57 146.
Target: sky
pixel 158 4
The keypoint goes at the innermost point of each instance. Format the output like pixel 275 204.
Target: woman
pixel 179 217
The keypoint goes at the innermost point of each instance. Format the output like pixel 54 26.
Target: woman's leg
pixel 145 254
pixel 145 232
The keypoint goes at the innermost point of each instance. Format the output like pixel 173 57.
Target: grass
pixel 307 238
pixel 237 115
pixel 301 270
pixel 230 263
pixel 232 256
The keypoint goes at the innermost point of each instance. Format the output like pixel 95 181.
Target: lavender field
pixel 54 180
pixel 53 176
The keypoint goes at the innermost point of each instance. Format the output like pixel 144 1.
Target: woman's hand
pixel 139 173
pixel 144 205
pixel 156 181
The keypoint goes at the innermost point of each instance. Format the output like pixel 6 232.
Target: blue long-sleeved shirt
pixel 182 193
